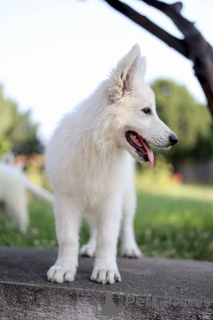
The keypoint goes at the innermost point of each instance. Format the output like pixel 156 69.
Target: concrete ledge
pixel 150 289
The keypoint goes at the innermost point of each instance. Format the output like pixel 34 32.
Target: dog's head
pixel 134 114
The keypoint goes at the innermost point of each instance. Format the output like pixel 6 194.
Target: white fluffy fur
pixel 91 171
pixel 13 187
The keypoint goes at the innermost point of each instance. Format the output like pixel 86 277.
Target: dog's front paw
pixel 103 276
pixel 61 274
pixel 87 250
pixel 131 252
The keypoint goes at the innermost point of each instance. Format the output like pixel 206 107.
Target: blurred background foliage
pixel 37 175
pixel 17 131
pixel 189 119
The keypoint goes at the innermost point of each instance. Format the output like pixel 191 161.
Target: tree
pixel 17 131
pixel 187 118
pixel 193 46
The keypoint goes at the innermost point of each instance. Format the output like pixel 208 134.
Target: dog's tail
pixel 39 192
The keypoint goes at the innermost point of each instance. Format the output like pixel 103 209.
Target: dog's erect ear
pixel 123 77
pixel 8 158
pixel 129 66
pixel 142 68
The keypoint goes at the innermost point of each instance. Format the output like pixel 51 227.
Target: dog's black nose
pixel 173 139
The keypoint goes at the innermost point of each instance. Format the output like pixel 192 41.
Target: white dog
pixel 13 187
pixel 92 172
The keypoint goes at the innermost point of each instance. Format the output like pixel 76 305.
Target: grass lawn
pixel 177 222
pixel 168 226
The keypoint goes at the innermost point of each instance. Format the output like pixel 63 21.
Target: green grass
pixel 177 223
pixel 41 232
pixel 174 227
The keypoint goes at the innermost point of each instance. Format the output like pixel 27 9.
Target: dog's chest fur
pixel 90 174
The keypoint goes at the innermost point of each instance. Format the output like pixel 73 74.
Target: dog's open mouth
pixel 141 146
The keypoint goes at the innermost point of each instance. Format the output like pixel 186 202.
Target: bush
pixel 37 175
pixel 161 176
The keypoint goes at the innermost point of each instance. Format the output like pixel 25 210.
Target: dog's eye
pixel 147 110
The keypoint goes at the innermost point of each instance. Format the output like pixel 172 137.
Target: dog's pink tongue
pixel 150 157
pixel 149 152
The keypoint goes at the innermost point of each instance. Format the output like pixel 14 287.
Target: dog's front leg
pixel 68 216
pixel 108 225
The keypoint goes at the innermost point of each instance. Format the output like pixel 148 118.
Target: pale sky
pixel 55 52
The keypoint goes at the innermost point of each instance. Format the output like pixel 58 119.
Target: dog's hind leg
pixel 129 246
pixel 68 217
pixel 88 249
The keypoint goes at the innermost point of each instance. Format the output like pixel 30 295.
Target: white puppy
pixel 91 170
pixel 13 187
